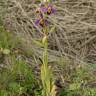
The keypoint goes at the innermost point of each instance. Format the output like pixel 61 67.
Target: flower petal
pixel 53 10
pixel 37 22
pixel 46 22
pixel 44 10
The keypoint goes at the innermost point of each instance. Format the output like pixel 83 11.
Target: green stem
pixel 45 53
pixel 46 75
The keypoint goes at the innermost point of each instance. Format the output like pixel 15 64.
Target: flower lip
pixel 50 9
pixel 42 22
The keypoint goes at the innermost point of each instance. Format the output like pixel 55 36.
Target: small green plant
pixel 7 40
pixel 18 81
pixel 79 83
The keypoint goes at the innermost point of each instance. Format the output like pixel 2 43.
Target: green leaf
pixel 52 29
pixel 38 43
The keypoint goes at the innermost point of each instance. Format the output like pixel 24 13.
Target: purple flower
pixel 49 9
pixel 41 22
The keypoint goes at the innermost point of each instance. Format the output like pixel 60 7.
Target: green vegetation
pixel 82 83
pixel 16 78
pixel 19 79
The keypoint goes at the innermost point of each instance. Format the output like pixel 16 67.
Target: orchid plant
pixel 46 72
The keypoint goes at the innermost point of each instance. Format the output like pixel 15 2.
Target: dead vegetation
pixel 75 23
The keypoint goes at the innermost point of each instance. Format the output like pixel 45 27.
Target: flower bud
pixel 46 0
pixel 44 39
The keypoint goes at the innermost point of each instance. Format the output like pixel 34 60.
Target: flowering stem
pixel 45 53
pixel 45 70
pixel 46 73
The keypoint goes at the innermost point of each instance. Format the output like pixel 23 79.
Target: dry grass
pixel 75 21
